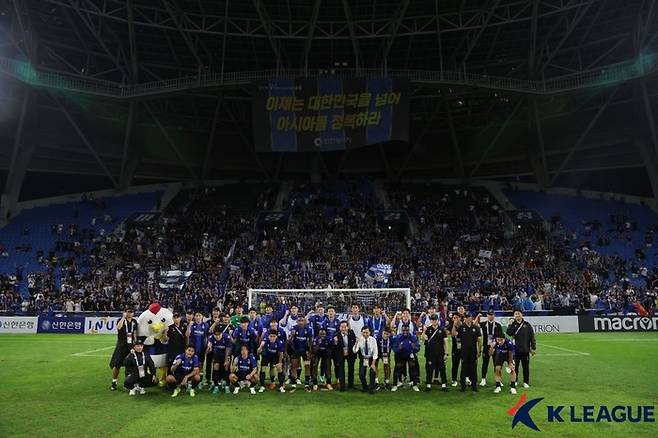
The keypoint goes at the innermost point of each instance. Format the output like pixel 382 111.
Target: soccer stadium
pixel 328 218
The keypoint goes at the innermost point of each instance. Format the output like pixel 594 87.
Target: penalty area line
pixel 580 353
pixel 88 353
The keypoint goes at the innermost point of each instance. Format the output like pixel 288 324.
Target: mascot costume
pixel 153 324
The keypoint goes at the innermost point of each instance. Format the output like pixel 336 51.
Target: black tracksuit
pixel 489 331
pixel 132 363
pixel 524 339
pixel 434 353
pixel 469 337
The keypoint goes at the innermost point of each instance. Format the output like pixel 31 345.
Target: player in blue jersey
pixel 271 351
pixel 378 322
pixel 185 372
pixel 317 319
pixel 197 336
pixel 300 342
pixel 243 335
pixel 219 346
pixel 503 350
pixel 255 322
pixel 245 368
pixel 321 357
pixel 274 325
pixel 406 347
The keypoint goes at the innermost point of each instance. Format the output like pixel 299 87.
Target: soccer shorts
pixel 268 360
pixel 499 359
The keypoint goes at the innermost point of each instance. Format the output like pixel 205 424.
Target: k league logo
pixel 521 412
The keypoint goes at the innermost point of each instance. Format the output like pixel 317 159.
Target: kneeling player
pixel 503 350
pixel 244 372
pixel 271 350
pixel 185 372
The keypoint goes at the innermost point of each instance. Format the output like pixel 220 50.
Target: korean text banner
pixel 329 114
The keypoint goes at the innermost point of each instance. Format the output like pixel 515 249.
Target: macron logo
pixel 521 412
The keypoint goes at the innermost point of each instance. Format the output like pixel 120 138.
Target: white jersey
pixel 289 323
pixel 356 324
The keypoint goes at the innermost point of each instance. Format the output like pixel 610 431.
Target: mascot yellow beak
pixel 157 327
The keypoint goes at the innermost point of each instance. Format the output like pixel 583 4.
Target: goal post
pixel 389 298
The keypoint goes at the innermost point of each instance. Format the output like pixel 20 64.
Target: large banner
pixel 329 114
pixel 620 323
pixel 60 323
pixel 18 324
pixel 377 275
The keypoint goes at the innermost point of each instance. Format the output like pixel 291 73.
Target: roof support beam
pixel 174 16
pixel 20 158
pixel 246 140
pixel 171 142
pixel 352 31
pixel 582 137
pixel 420 137
pixel 393 27
pixel 211 138
pixel 128 159
pixel 266 21
pixel 496 138
pixel 84 139
pixel 537 150
pixel 479 33
pixel 458 162
pixel 309 37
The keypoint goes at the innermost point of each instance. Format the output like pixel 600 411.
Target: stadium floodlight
pixel 393 299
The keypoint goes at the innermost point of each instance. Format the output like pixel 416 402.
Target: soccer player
pixel 255 322
pixel 244 335
pixel 274 325
pixel 470 337
pixel 244 372
pixel 503 350
pixel 321 357
pixel 332 325
pixel 126 337
pixel 189 319
pixel 140 370
pixel 436 347
pixel 526 345
pixel 271 351
pixel 403 319
pixel 356 321
pixel 185 372
pixel 237 317
pixel 219 347
pixel 317 320
pixel 406 347
pixel 268 316
pixel 489 329
pixel 215 320
pixel 384 353
pixel 301 338
pixel 366 346
pixel 197 336
pixel 378 322
pixel 289 320
pixel 344 356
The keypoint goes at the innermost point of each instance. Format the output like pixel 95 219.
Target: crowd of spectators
pixel 461 248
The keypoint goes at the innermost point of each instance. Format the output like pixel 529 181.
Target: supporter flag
pixel 174 279
pixel 378 274
pixel 485 254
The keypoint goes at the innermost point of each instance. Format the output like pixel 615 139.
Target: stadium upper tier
pixel 452 245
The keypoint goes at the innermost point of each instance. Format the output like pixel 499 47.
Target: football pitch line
pixel 87 353
pixel 576 352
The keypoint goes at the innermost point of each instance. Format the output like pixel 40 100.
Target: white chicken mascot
pixel 153 324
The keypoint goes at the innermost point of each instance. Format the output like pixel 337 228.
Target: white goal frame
pixel 405 290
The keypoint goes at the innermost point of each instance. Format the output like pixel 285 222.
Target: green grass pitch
pixel 58 385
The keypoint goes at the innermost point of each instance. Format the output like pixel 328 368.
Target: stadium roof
pixel 141 91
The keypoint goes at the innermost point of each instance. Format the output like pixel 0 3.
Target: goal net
pixel 391 299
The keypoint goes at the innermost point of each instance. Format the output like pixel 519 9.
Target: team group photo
pixel 328 218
